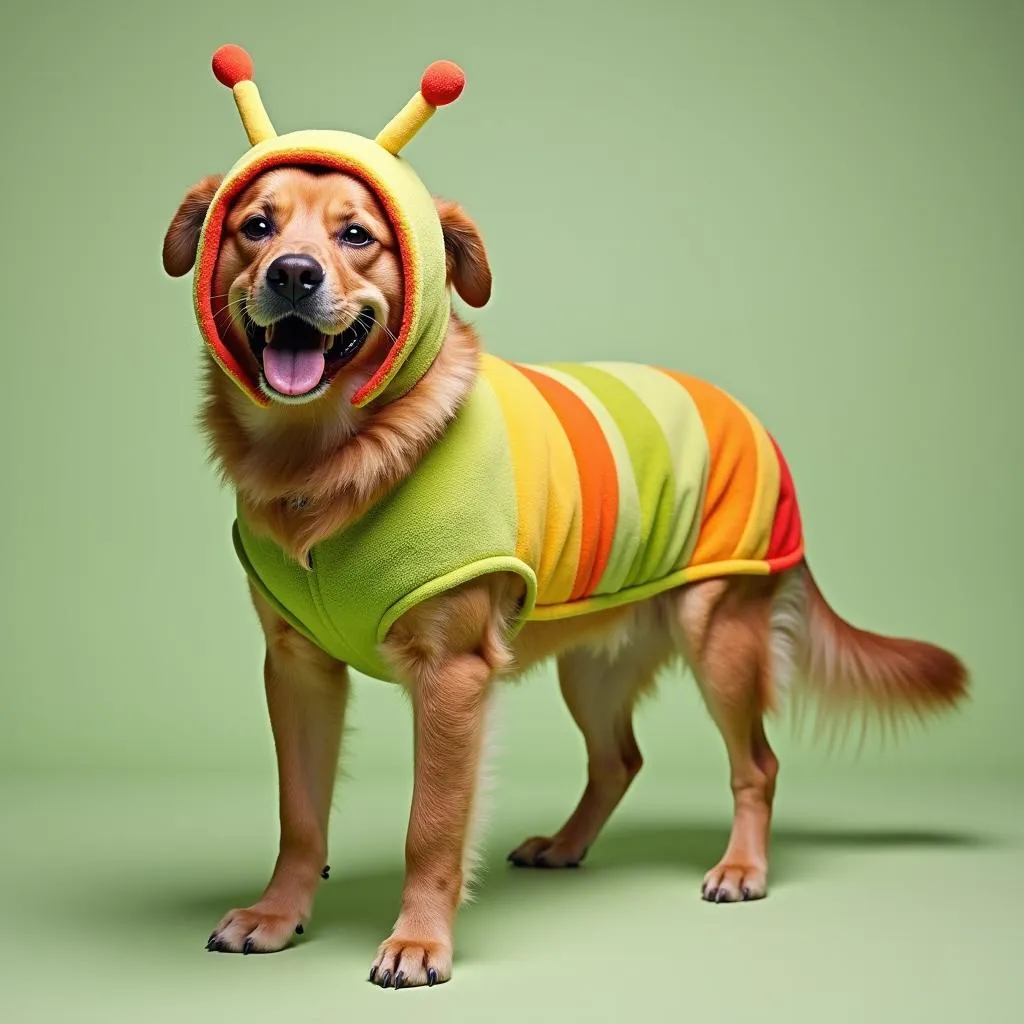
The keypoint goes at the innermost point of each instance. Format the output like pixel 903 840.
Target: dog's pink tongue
pixel 293 371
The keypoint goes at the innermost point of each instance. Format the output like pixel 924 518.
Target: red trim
pixel 211 248
pixel 786 546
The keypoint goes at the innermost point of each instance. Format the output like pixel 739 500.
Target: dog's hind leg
pixel 725 629
pixel 600 689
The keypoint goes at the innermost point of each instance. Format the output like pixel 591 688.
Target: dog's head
pixel 308 285
pixel 320 257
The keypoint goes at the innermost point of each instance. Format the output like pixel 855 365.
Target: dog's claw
pixel 720 896
pixel 373 974
pixel 248 945
pixel 543 854
pixel 746 892
pixel 431 977
pixel 326 873
pixel 385 979
pixel 579 860
pixel 299 929
pixel 399 980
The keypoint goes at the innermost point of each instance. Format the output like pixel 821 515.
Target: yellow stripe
pixel 626 543
pixel 643 591
pixel 546 479
pixel 757 534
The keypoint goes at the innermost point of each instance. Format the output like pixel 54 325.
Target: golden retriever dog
pixel 745 639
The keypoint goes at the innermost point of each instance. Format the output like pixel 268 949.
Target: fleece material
pixel 598 484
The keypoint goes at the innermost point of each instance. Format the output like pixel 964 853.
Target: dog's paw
pixel 542 852
pixel 734 883
pixel 254 930
pixel 407 962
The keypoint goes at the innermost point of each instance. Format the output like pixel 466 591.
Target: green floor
pixel 893 900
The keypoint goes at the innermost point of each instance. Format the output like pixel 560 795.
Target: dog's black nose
pixel 295 276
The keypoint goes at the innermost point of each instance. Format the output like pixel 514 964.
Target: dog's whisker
pixel 239 304
pixel 233 314
pixel 385 329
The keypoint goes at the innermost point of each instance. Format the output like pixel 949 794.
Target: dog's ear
pixel 468 270
pixel 182 238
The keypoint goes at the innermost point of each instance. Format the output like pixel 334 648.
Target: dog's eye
pixel 356 236
pixel 256 228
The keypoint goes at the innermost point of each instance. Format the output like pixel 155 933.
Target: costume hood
pixel 376 162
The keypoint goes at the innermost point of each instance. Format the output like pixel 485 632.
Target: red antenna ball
pixel 442 83
pixel 231 65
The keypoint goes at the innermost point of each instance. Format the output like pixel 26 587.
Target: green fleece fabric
pixel 424 538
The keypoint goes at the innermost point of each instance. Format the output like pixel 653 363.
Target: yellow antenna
pixel 232 67
pixel 442 83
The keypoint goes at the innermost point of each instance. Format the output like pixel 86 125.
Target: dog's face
pixel 308 287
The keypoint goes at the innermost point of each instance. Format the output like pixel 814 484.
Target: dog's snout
pixel 295 276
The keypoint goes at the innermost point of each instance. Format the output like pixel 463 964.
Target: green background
pixel 818 205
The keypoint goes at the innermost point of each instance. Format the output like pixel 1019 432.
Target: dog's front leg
pixel 449 696
pixel 307 692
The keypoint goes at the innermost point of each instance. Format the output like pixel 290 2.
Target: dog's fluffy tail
pixel 845 669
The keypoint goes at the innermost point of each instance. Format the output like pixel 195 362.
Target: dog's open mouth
pixel 297 359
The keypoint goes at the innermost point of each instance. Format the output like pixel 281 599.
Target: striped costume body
pixel 629 477
pixel 598 484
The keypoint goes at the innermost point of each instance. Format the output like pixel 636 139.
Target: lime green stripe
pixel 677 415
pixel 626 540
pixel 651 464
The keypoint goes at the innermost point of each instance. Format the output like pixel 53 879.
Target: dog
pixel 308 288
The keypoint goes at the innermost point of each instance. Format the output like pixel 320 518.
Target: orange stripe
pixel 732 475
pixel 599 484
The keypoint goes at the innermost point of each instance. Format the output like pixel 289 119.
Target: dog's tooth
pixel 269 332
